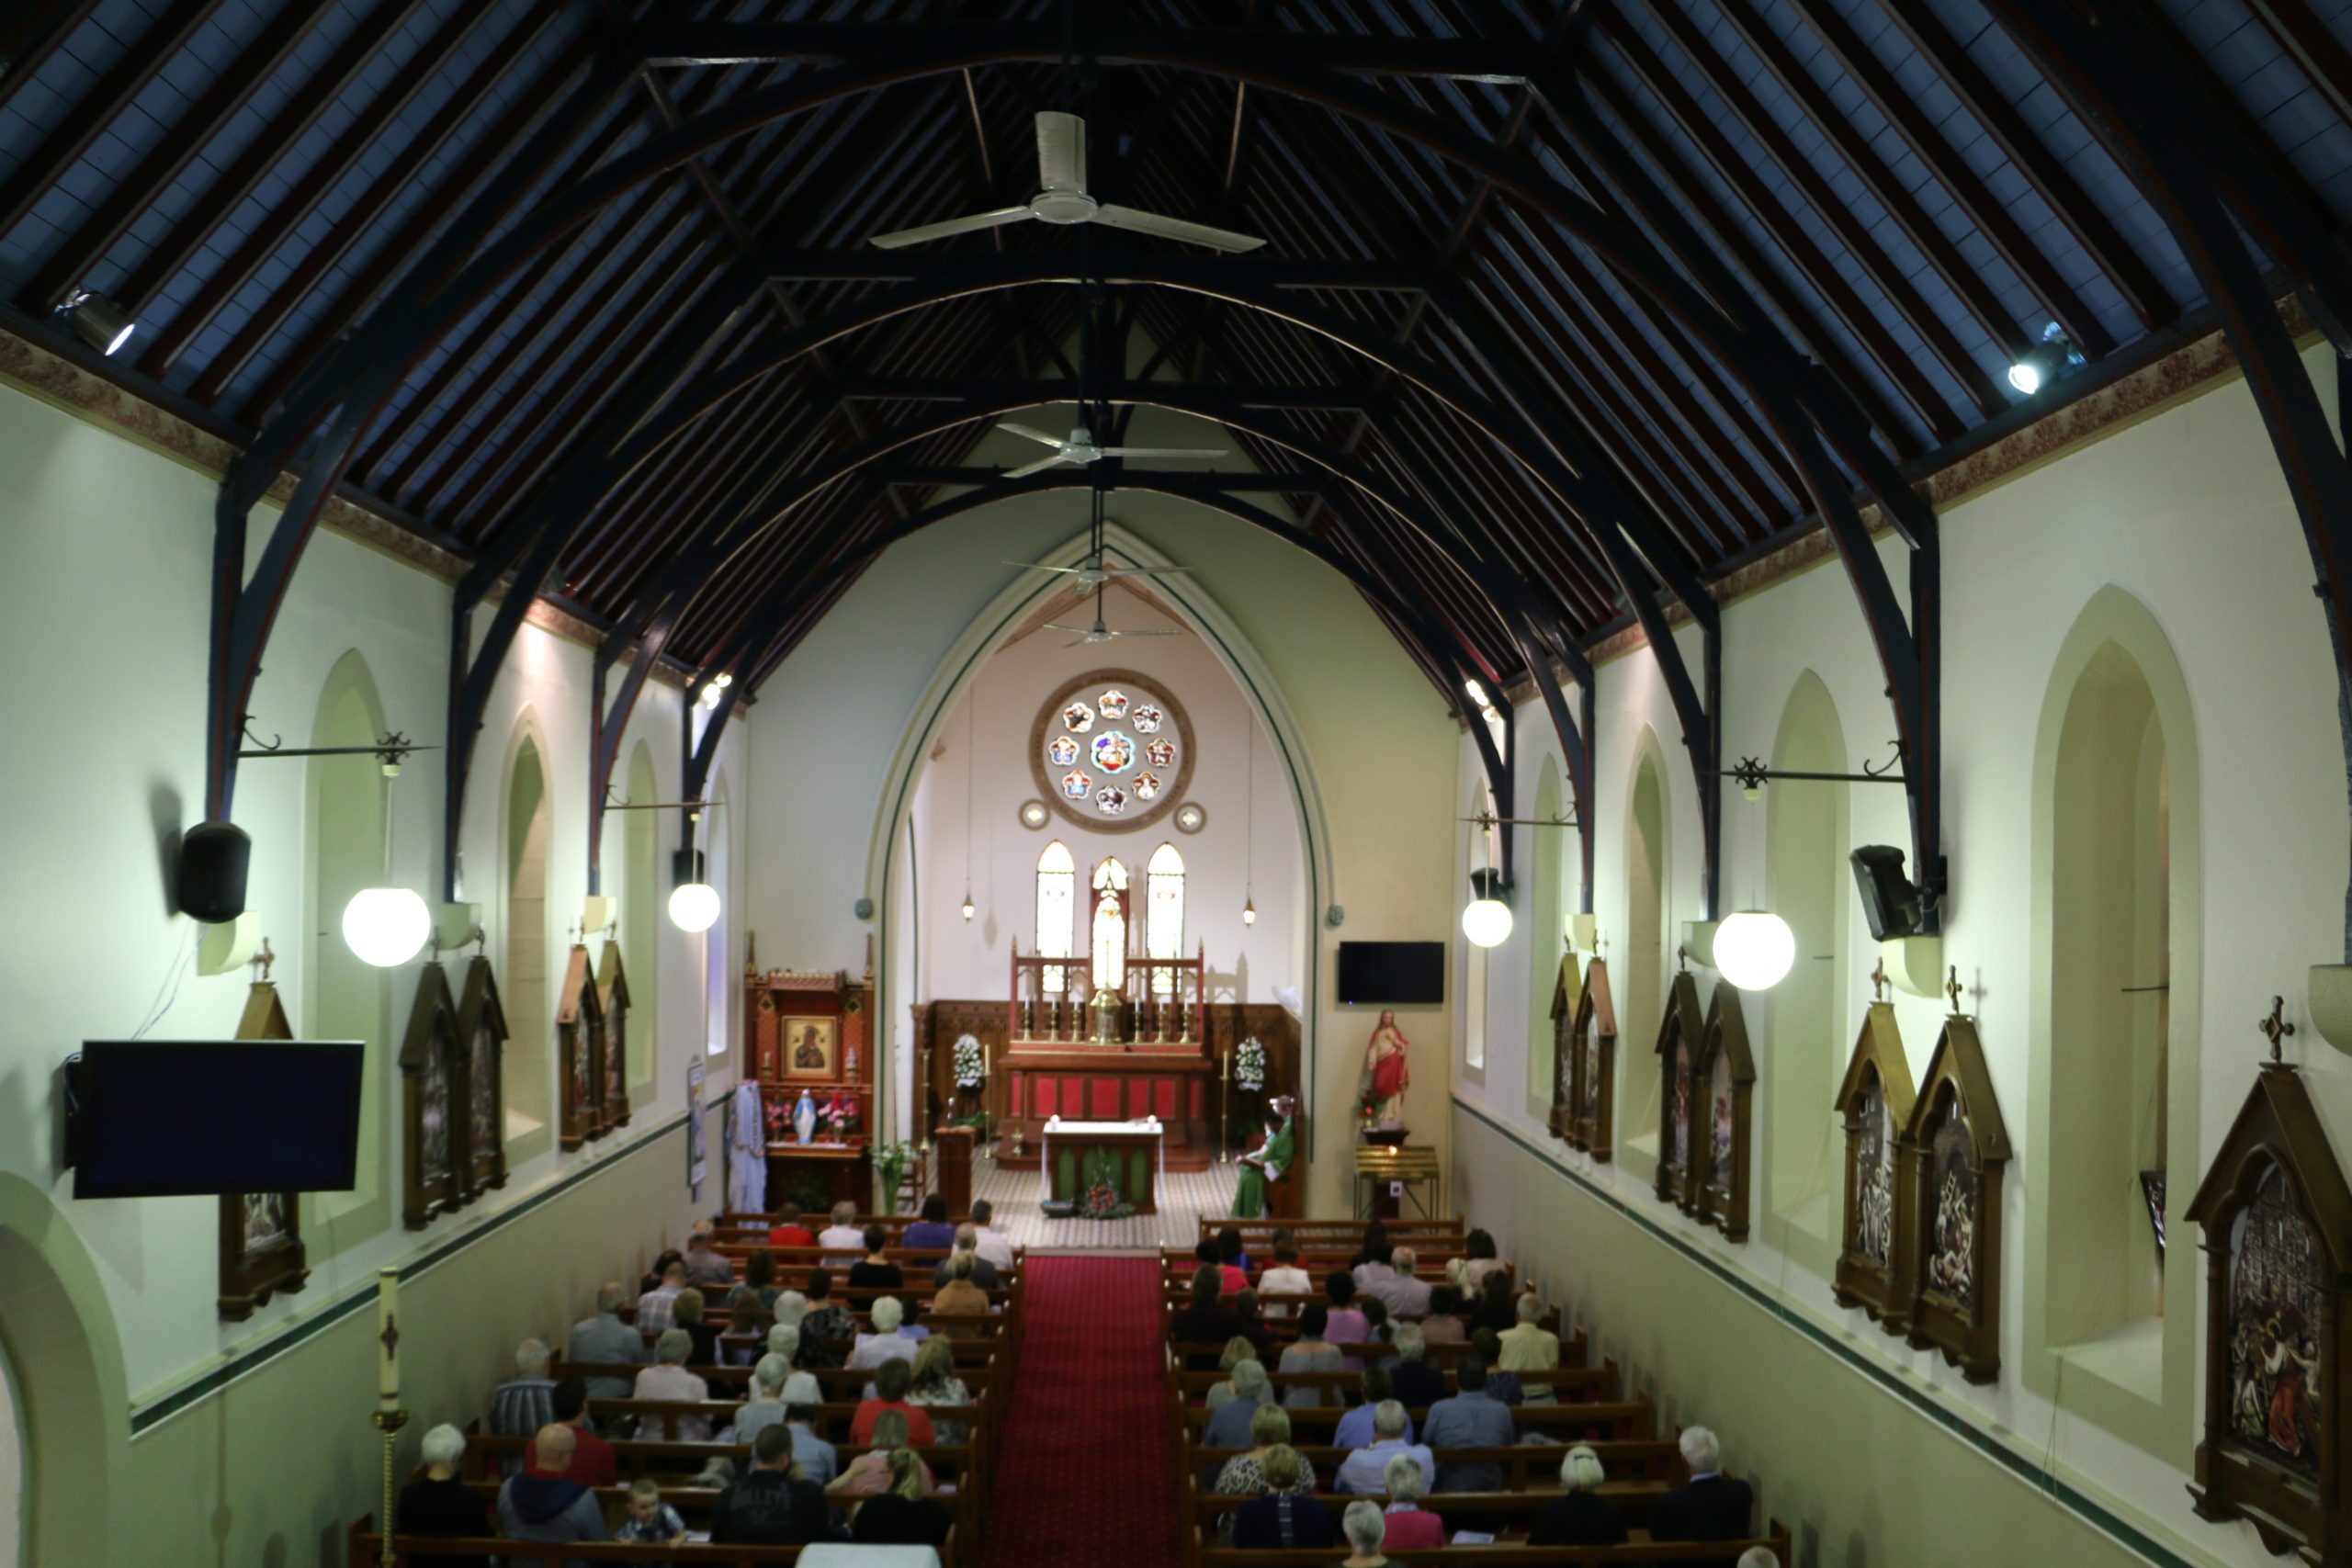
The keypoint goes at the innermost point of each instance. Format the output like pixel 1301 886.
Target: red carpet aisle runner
pixel 1085 1479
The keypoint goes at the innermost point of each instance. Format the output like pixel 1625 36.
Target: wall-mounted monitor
pixel 168 1118
pixel 1393 974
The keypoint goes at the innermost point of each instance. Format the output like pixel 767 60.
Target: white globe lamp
pixel 694 906
pixel 1486 922
pixel 1754 950
pixel 386 926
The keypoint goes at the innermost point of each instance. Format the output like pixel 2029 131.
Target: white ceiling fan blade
pixel 1175 228
pixel 1057 627
pixel 1164 451
pixel 1033 433
pixel 1145 571
pixel 1039 467
pixel 1143 633
pixel 971 225
pixel 1033 566
pixel 1061 150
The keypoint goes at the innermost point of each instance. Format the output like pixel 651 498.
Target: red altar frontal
pixel 1134 1044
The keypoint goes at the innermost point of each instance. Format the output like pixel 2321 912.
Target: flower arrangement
pixel 1101 1199
pixel 970 1070
pixel 1249 1066
pixel 891 1160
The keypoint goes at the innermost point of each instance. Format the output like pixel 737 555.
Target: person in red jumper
pixel 788 1231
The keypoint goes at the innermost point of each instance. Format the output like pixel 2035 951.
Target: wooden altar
pixel 1133 1150
pixel 811 1035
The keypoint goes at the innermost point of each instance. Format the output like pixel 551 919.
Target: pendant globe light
pixel 386 926
pixel 1754 949
pixel 1487 919
pixel 693 903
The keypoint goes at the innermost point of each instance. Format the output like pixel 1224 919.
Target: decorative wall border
pixel 1924 1401
pixel 146 1415
pixel 87 394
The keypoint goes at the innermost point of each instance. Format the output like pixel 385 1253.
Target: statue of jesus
pixel 1381 1088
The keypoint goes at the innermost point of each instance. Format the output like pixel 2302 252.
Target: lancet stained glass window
pixel 1057 894
pixel 1109 924
pixel 1163 929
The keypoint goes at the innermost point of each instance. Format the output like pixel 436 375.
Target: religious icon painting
pixel 1678 1037
pixel 428 1067
pixel 580 1041
pixel 2277 1217
pixel 1113 752
pixel 1568 985
pixel 811 1049
pixel 1723 1079
pixel 261 1251
pixel 1592 1048
pixel 1956 1147
pixel 481 1027
pixel 1875 1103
pixel 612 989
pixel 1093 735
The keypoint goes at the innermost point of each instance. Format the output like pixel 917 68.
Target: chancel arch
pixel 1641 998
pixel 2118 890
pixel 525 981
pixel 1809 886
pixel 346 801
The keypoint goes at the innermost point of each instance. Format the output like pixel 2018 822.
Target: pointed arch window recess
pixel 1057 901
pixel 1164 915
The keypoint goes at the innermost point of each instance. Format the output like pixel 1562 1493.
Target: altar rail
pixel 1160 1000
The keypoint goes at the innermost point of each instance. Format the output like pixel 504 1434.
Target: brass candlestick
pixel 388 1422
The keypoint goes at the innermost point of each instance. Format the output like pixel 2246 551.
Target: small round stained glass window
pixel 1111 751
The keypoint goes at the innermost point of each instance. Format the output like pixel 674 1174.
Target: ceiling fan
pixel 1091 571
pixel 1062 171
pixel 1080 449
pixel 1098 632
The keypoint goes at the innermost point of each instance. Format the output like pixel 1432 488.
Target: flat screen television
pixel 167 1117
pixel 1395 974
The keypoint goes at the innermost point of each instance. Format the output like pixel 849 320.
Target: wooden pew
pixel 1574 1384
pixel 1527 1467
pixel 1717 1555
pixel 364 1546
pixel 1574 1423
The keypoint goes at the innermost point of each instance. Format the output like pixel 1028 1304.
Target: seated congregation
pixel 763 1390
pixel 1346 1392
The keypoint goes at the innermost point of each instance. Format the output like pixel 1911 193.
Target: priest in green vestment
pixel 1267 1161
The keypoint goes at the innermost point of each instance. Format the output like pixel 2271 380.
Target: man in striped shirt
pixel 524 1403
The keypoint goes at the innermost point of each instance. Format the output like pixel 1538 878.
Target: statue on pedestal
pixel 1380 1089
pixel 1268 1160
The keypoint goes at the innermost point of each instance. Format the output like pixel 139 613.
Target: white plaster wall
pixel 995 712
pixel 2186 511
pixel 104 596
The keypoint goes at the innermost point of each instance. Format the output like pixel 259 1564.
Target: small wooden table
pixel 1408 1164
pixel 1136 1148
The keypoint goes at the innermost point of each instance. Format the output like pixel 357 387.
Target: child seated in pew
pixel 651 1521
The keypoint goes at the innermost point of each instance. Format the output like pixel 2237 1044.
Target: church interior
pixel 1184 782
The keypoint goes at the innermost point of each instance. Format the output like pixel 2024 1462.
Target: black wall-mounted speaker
pixel 211 882
pixel 1890 901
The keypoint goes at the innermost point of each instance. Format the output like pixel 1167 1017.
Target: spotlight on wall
pixel 1486 919
pixel 1754 949
pixel 1893 903
pixel 386 926
pixel 693 903
pixel 210 883
pixel 2045 361
pixel 96 320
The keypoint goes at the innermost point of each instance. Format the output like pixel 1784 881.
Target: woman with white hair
pixel 1411 1528
pixel 1245 1475
pixel 886 1342
pixel 1228 1424
pixel 766 1407
pixel 1366 1528
pixel 438 1504
pixel 1757 1557
pixel 668 1379
pixel 1238 1349
pixel 1582 1518
pixel 784 1340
